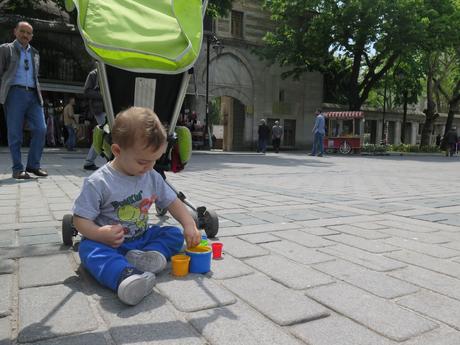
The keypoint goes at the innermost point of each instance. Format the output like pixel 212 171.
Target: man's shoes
pixel 38 172
pixel 21 175
pixel 311 154
pixel 320 155
pixel 90 167
pixel 135 287
pixel 151 261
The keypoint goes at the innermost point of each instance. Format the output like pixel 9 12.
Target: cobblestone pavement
pixel 321 251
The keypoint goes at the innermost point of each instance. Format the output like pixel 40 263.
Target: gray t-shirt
pixel 109 197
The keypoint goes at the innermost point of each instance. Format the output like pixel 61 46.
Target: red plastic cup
pixel 217 250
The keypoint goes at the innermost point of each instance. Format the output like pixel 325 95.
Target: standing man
pixel 22 100
pixel 263 132
pixel 319 129
pixel 70 124
pixel 277 133
pixel 96 109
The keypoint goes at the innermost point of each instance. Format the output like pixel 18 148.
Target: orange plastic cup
pixel 217 250
pixel 180 264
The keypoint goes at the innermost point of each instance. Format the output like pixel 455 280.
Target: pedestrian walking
pixel 22 100
pixel 120 249
pixel 319 130
pixel 277 133
pixel 264 133
pixel 70 124
pixel 96 111
pixel 451 141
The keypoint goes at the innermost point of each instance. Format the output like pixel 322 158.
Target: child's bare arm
pixel 112 235
pixel 180 213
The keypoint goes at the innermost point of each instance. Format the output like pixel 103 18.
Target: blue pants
pixel 71 138
pixel 318 144
pixel 106 263
pixel 262 145
pixel 24 104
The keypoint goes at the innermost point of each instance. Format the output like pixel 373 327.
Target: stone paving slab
pixel 6 287
pixel 297 253
pixel 433 238
pixel 435 306
pixel 444 266
pixel 281 305
pixel 288 272
pixel 355 231
pixel 430 280
pixel 86 338
pixel 52 311
pixel 335 330
pixel 5 331
pixel 238 324
pixel 252 229
pixel 151 322
pixel 242 249
pixel 424 248
pixel 440 336
pixel 377 283
pixel 194 292
pixel 405 226
pixel 304 239
pixel 259 238
pixel 7 266
pixel 229 267
pixel 45 270
pixel 320 231
pixel 378 314
pixel 375 262
pixel 372 246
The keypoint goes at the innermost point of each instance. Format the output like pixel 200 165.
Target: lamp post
pixel 217 45
pixel 401 78
pixel 383 141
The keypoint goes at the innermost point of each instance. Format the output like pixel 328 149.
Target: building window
pixel 237 24
pixel 281 95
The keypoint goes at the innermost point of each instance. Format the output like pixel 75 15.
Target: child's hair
pixel 138 124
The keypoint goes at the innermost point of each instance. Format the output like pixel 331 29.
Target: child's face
pixel 136 160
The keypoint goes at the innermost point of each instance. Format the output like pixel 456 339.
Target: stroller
pixel 148 47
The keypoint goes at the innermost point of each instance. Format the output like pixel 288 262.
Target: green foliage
pixel 219 8
pixel 374 149
pixel 413 148
pixel 31 8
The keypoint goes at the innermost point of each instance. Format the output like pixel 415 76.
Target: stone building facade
pixel 249 88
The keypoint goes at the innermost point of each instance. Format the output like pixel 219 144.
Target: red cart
pixel 344 131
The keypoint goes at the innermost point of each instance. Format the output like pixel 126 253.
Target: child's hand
pixel 192 236
pixel 112 235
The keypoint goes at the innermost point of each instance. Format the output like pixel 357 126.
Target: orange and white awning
pixel 345 114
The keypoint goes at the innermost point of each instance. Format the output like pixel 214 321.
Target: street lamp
pixel 383 141
pixel 400 76
pixel 217 46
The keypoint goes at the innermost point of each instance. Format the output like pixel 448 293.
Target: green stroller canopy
pixel 162 36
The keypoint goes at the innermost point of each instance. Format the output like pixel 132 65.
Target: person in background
pixel 96 110
pixel 319 130
pixel 277 133
pixel 22 100
pixel 451 141
pixel 120 248
pixel 264 133
pixel 70 124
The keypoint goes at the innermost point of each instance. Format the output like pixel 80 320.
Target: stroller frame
pixel 204 218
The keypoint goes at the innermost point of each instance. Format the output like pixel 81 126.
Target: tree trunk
pixel 430 111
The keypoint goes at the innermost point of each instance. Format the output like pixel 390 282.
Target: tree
pixel 364 37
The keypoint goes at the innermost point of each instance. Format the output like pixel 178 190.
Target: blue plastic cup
pixel 200 259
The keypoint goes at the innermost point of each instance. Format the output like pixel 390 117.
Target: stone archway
pixel 231 80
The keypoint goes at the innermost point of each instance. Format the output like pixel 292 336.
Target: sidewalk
pixel 320 251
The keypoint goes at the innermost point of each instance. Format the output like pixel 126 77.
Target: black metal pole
pixel 384 110
pixel 208 44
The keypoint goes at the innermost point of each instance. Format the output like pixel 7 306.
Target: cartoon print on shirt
pixel 133 213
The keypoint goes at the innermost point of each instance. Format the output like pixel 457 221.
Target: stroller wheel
pixel 67 229
pixel 160 211
pixel 211 223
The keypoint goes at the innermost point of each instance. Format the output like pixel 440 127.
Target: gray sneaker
pixel 135 287
pixel 151 261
